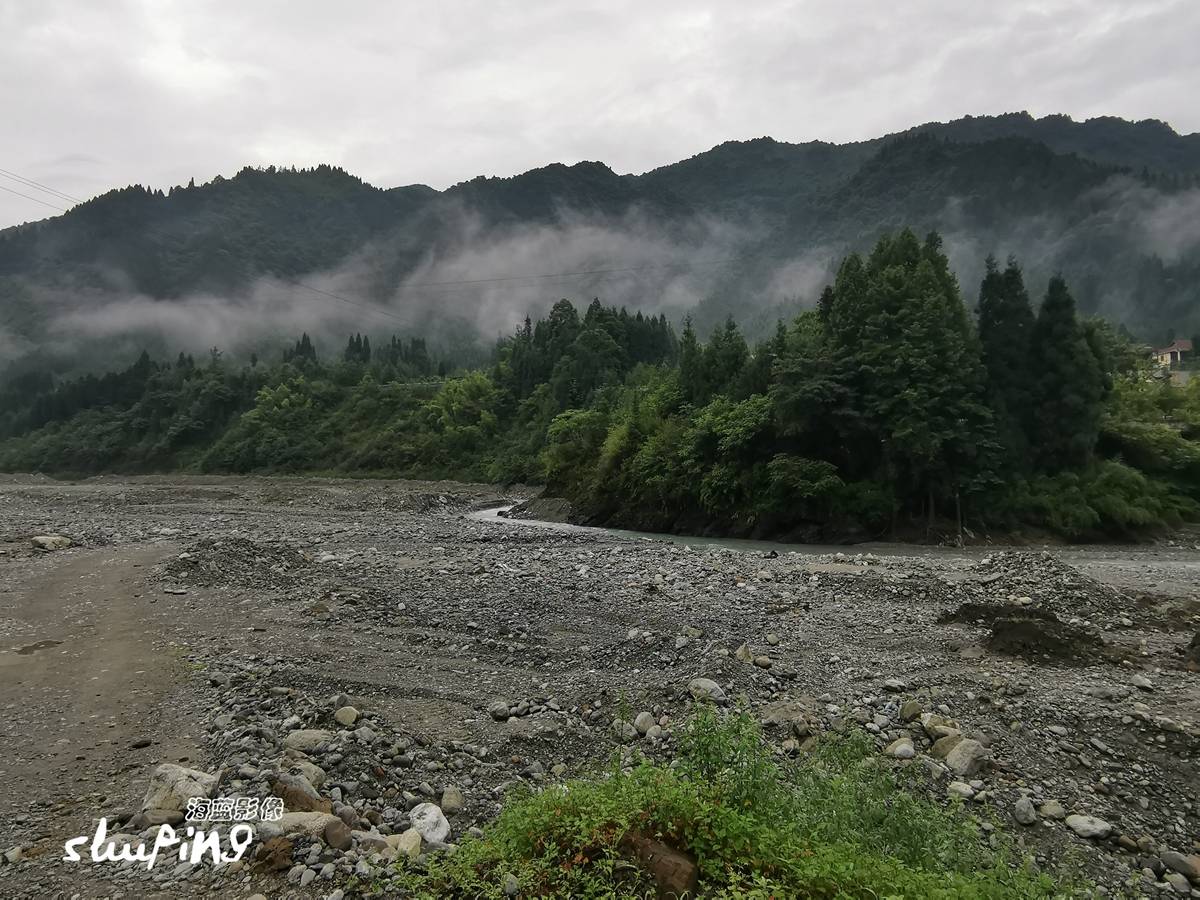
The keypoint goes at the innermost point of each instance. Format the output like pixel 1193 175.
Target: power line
pixel 37 184
pixel 34 199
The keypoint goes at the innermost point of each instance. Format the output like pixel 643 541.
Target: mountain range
pixel 751 228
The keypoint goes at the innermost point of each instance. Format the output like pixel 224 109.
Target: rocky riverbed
pixel 389 667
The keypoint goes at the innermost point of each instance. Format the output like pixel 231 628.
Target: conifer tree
pixel 1070 384
pixel 1006 324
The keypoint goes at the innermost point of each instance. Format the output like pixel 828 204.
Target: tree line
pixel 887 409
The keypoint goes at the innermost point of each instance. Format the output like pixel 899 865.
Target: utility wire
pixel 29 182
pixel 34 199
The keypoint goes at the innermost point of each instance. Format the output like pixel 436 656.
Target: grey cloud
pixel 102 95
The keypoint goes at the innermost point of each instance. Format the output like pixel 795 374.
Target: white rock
pixel 429 822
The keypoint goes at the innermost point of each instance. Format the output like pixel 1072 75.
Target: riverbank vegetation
pixel 887 408
pixel 835 823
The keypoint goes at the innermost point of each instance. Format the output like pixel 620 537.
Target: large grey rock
pixel 706 689
pixel 1178 883
pixel 901 748
pixel 498 710
pixel 427 818
pixel 453 800
pixel 1024 812
pixel 1052 809
pixel 172 786
pixel 306 740
pixel 1089 827
pixel 346 716
pixel 48 542
pixel 1188 866
pixel 644 722
pixel 967 757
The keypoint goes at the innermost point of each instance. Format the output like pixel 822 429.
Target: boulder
pixel 498 710
pixel 1024 812
pixel 429 822
pixel 298 794
pixel 48 542
pixel 1089 827
pixel 901 748
pixel 967 758
pixel 406 844
pixel 346 716
pixel 705 689
pixel 337 834
pixel 453 800
pixel 307 740
pixel 1187 866
pixel 172 786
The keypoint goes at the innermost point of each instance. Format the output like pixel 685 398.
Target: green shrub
pixel 836 824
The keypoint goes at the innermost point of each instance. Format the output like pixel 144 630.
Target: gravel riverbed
pixel 389 664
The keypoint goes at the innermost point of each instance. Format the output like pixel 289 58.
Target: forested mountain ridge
pixel 1110 203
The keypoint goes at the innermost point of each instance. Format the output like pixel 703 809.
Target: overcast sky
pixel 98 95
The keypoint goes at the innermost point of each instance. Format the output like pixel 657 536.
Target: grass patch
pixel 834 824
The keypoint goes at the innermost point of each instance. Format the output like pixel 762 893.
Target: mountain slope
pixel 1060 194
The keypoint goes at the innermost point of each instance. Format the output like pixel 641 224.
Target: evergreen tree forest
pixel 888 409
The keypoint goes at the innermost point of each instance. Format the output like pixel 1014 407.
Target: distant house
pixel 1174 353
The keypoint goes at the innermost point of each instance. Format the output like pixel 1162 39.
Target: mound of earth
pixel 1035 634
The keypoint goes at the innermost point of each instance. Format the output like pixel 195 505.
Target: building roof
pixel 1181 344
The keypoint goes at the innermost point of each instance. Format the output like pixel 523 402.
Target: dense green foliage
pixel 886 409
pixel 836 823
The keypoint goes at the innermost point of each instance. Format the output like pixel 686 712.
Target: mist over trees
pixel 750 228
pixel 887 409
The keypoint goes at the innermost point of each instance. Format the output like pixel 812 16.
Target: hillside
pixel 1111 203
